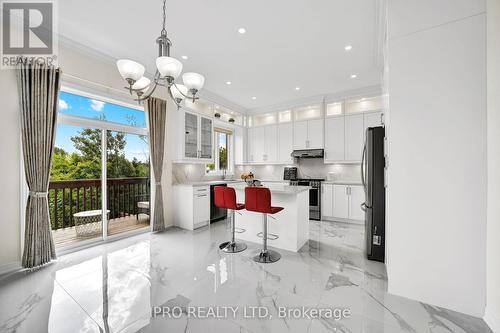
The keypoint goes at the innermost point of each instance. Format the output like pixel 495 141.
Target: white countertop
pixel 209 182
pixel 343 182
pixel 275 188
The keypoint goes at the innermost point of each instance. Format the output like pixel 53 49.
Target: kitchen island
pixel 291 225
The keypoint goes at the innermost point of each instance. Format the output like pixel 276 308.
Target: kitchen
pixel 320 145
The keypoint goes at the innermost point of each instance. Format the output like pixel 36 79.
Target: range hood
pixel 308 153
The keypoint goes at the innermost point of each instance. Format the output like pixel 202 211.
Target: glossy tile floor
pixel 113 287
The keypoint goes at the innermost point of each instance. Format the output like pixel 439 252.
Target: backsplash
pixel 308 168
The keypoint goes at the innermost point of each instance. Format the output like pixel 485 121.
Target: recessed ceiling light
pixel 297 88
pixel 353 76
pixel 254 98
pixel 348 47
pixel 242 30
pixel 184 57
pixel 228 83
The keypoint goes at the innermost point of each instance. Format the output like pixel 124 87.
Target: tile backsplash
pixel 308 168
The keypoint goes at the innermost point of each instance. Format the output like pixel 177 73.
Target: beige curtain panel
pixel 38 96
pixel 157 115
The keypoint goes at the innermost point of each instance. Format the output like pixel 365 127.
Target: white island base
pixel 291 225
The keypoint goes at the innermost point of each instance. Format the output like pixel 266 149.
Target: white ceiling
pixel 288 43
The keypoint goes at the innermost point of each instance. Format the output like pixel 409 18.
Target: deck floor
pixel 68 236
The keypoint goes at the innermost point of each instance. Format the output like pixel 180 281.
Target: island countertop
pixel 275 188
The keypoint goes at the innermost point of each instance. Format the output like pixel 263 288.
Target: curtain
pixel 38 86
pixel 157 114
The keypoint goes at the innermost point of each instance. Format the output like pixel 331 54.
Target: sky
pixel 90 108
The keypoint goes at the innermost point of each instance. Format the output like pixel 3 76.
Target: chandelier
pixel 168 70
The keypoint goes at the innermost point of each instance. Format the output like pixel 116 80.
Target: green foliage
pixel 85 163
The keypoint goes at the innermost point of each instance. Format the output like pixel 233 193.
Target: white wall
pixel 493 241
pixel 436 214
pixel 96 73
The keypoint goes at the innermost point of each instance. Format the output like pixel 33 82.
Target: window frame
pixel 230 154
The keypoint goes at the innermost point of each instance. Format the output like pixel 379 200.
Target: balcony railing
pixel 67 197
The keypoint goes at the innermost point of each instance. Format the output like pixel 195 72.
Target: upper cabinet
pixel 285 143
pixel 354 137
pixel 240 149
pixel 195 138
pixel 308 134
pixel 334 139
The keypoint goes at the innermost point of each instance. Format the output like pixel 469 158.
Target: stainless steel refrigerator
pixel 372 176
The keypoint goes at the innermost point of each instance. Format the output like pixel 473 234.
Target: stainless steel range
pixel 314 195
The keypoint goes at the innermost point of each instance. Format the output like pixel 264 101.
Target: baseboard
pixel 10 267
pixel 491 318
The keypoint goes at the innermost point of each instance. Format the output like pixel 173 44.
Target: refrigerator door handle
pixel 363 180
pixel 363 207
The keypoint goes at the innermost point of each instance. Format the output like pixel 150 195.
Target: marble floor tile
pixel 116 287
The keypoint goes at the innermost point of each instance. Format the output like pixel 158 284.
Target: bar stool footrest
pixel 269 236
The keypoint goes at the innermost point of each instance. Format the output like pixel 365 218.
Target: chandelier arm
pixel 173 98
pixel 189 97
pixel 148 94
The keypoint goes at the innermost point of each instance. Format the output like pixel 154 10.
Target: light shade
pixel 177 90
pixel 193 80
pixel 168 66
pixel 129 69
pixel 141 84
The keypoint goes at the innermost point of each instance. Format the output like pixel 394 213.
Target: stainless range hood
pixel 308 153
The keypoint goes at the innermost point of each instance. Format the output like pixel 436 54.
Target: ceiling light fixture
pixel 242 30
pixel 184 57
pixel 254 98
pixel 348 47
pixel 353 76
pixel 228 83
pixel 167 71
pixel 297 88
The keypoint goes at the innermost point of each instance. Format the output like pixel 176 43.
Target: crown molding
pixel 327 98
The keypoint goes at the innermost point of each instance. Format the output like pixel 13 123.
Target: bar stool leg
pixel 266 256
pixel 233 246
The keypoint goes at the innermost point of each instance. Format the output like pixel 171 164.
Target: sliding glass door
pixel 128 181
pixel 100 176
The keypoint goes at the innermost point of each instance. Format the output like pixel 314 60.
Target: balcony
pixel 127 204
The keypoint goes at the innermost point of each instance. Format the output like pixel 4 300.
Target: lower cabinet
pixel 192 206
pixel 342 202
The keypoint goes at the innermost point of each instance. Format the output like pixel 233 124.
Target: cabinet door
pixel 300 135
pixel 315 134
pixel 190 135
pixel 356 198
pixel 334 139
pixel 250 144
pixel 327 200
pixel 271 143
pixel 372 119
pixel 239 145
pixel 354 137
pixel 340 202
pixel 201 206
pixel 285 143
pixel 206 138
pixel 259 144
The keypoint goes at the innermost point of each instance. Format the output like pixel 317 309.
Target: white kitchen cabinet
pixel 259 142
pixel 334 139
pixel 342 202
pixel 356 198
pixel 300 135
pixel 327 200
pixel 271 143
pixel 240 151
pixel 373 119
pixel 250 145
pixel 308 134
pixel 194 139
pixel 340 207
pixel 285 143
pixel 192 206
pixel 354 137
pixel 315 134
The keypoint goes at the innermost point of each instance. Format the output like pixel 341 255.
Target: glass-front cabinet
pixel 198 137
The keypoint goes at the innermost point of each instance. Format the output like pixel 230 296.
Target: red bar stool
pixel 225 197
pixel 258 199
